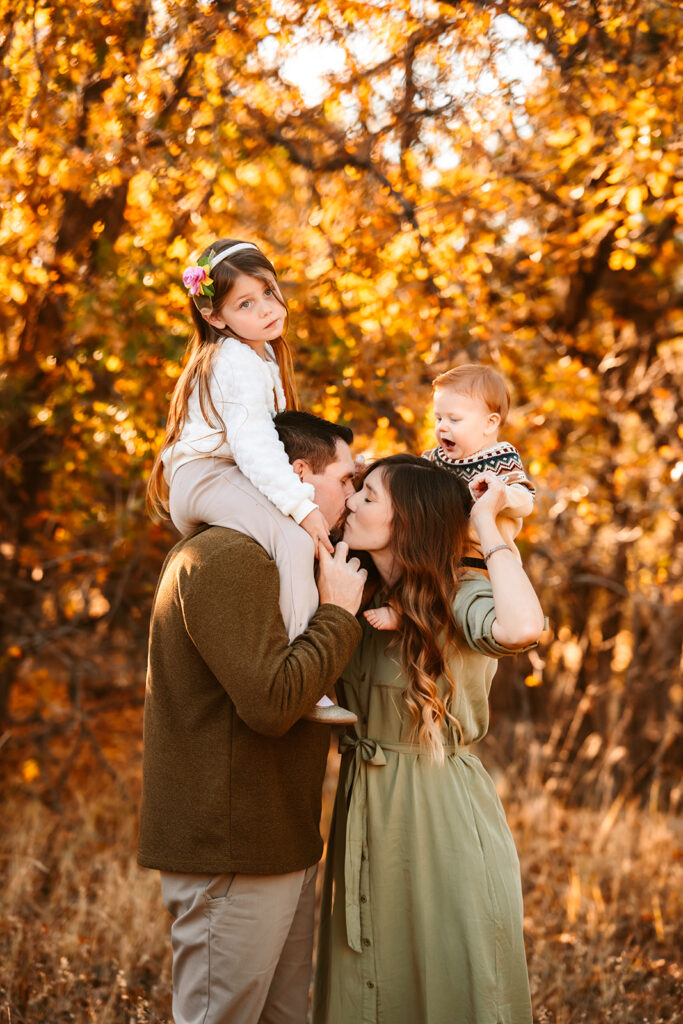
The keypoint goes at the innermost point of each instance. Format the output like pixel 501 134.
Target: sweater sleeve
pixel 519 500
pixel 519 490
pixel 239 633
pixel 239 391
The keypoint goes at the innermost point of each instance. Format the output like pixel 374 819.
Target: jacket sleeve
pixel 239 633
pixel 239 391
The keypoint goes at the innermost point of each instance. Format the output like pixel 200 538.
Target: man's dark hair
pixel 306 436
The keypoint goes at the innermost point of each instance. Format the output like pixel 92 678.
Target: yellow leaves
pixel 561 138
pixel 532 681
pixel 319 268
pixel 205 167
pixel 113 364
pixel 148 49
pixel 204 116
pixel 621 260
pixel 657 182
pixel 17 292
pixel 41 17
pixel 634 198
pixel 248 174
pixel 227 182
pixel 140 188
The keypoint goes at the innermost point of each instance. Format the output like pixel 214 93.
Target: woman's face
pixel 368 525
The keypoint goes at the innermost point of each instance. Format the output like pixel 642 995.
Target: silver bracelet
pixel 498 547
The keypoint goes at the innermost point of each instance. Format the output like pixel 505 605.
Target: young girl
pixel 237 377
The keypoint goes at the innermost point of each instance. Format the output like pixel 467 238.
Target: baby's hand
pixel 316 527
pixel 479 484
pixel 383 618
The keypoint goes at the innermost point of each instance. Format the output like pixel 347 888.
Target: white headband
pixel 229 251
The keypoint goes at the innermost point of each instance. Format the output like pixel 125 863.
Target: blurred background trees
pixel 435 182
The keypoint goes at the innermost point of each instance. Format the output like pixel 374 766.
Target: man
pixel 232 778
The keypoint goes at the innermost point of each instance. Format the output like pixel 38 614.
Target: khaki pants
pixel 242 946
pixel 214 491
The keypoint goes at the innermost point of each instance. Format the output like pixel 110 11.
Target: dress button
pixel 371 984
pixel 364 899
pixel 366 942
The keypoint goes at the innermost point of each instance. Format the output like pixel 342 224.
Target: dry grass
pixel 85 938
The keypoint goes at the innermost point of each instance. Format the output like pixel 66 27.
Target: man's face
pixel 334 485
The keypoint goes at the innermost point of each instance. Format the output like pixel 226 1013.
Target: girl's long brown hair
pixel 429 538
pixel 201 350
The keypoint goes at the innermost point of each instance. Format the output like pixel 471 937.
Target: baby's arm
pixel 519 497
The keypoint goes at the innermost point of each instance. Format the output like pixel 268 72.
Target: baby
pixel 471 404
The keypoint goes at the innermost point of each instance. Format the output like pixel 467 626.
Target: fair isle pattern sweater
pixel 502 459
pixel 247 393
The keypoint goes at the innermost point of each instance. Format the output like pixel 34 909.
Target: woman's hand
pixel 488 491
pixel 317 528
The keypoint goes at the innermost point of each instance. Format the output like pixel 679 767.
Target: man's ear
pixel 302 469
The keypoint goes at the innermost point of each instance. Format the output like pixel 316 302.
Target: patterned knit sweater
pixel 502 459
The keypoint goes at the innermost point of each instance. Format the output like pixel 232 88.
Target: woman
pixel 421 919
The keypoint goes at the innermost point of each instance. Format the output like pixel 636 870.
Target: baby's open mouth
pixel 448 445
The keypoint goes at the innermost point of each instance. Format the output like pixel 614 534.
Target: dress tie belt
pixel 366 752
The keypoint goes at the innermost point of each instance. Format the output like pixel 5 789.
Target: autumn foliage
pixel 482 180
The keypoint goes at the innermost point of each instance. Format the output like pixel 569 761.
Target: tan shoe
pixel 330 715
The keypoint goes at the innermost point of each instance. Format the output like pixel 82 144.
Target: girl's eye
pixel 269 291
pixel 243 305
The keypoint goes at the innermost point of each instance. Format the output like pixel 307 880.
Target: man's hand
pixel 340 582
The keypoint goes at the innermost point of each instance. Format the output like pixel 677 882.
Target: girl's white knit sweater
pixel 247 392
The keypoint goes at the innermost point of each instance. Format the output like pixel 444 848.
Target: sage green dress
pixel 421 917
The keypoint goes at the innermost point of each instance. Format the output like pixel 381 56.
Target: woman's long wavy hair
pixel 429 533
pixel 201 350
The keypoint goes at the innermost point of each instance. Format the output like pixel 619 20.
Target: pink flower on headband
pixel 194 278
